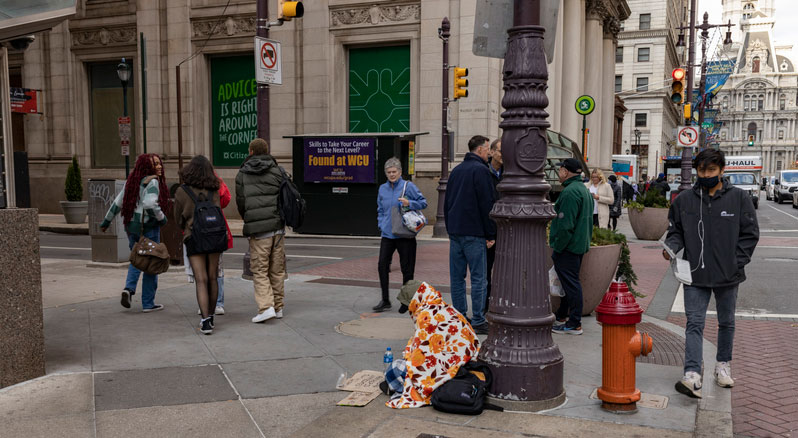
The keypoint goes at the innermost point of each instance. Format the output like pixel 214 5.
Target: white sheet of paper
pixel 681 268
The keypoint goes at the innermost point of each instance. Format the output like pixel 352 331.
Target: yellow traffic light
pixel 286 10
pixel 677 87
pixel 688 113
pixel 460 82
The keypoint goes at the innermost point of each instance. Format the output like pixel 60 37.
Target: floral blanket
pixel 443 341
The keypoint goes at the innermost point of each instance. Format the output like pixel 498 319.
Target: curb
pixel 64 230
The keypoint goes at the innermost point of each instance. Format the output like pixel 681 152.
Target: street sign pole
pixel 584 106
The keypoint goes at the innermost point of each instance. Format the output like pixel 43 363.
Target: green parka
pixel 572 229
pixel 257 190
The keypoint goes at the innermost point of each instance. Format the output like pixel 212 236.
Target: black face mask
pixel 709 182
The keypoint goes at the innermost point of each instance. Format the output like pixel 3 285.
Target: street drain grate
pixel 668 346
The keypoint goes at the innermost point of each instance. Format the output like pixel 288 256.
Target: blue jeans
pixel 567 265
pixel 220 300
pixel 470 252
pixel 696 301
pixel 150 282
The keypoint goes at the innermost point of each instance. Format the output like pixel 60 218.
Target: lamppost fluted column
pixel 439 229
pixel 526 364
pixel 687 155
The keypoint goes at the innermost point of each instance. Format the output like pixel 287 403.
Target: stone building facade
pixel 327 57
pixel 760 99
pixel 645 61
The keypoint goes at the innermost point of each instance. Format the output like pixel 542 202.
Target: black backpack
pixel 209 230
pixel 466 393
pixel 290 203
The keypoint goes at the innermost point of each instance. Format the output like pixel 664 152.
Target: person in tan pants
pixel 257 192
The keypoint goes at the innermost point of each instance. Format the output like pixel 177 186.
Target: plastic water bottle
pixel 387 358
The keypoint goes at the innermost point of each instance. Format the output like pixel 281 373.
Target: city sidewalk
pixel 117 372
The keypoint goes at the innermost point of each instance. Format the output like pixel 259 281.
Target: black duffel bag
pixel 467 392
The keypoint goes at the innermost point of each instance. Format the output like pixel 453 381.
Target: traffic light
pixel 751 140
pixel 460 82
pixel 677 87
pixel 286 10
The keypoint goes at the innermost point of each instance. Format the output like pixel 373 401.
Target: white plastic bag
pixel 555 288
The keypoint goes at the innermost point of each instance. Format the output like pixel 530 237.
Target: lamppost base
pixel 439 230
pixel 530 405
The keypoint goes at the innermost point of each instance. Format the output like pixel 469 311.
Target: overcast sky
pixel 785 29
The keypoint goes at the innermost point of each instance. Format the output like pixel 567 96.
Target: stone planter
pixel 598 267
pixel 75 212
pixel 649 224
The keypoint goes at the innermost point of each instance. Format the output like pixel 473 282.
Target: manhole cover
pixel 378 328
pixel 668 346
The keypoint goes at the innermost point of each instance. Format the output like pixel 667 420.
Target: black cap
pixel 572 165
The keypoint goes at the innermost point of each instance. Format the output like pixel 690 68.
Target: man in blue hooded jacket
pixel 469 199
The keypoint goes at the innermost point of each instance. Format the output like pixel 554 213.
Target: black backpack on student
pixel 290 203
pixel 209 231
pixel 467 392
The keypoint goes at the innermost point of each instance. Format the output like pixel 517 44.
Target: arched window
pixel 782 102
pixel 755 65
pixel 761 102
pixel 747 103
pixel 725 102
pixel 751 130
pixel 748 7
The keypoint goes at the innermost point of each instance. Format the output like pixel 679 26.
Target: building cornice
pixel 233 26
pixel 101 37
pixel 650 33
pixel 388 14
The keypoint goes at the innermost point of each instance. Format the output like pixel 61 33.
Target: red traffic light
pixel 678 74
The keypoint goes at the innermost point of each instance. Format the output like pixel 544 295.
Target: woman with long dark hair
pixel 144 205
pixel 201 185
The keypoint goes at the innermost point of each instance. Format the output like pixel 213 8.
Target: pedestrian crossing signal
pixel 286 10
pixel 677 87
pixel 460 82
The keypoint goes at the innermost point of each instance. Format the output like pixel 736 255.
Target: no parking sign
pixel 268 61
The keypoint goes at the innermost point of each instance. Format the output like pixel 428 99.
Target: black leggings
pixel 613 223
pixel 407 260
pixel 595 220
pixel 206 273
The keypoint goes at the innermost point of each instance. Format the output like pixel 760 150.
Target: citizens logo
pixel 724 214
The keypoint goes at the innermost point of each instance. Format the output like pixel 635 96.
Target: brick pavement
pixel 765 370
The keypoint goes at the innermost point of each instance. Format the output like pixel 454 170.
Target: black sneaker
pixel 211 318
pixel 126 294
pixel 382 306
pixel 206 327
pixel 481 329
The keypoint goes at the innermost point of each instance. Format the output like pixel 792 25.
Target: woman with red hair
pixel 142 203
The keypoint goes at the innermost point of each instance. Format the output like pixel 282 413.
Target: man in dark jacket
pixel 661 185
pixel 569 238
pixel 469 199
pixel 496 165
pixel 257 191
pixel 716 225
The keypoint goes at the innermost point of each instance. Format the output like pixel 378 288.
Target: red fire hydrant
pixel 621 344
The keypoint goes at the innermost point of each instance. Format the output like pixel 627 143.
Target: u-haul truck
pixel 745 172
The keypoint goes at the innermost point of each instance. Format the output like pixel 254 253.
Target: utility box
pixel 111 246
pixel 339 176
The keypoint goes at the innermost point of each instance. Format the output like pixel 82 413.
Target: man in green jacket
pixel 569 239
pixel 257 191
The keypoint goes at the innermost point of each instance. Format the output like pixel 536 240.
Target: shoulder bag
pixel 148 256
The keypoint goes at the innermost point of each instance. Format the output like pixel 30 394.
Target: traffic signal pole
pixel 262 30
pixel 687 153
pixel 439 230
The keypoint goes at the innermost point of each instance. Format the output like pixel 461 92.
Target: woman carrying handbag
pixel 142 203
pixel 198 213
pixel 393 196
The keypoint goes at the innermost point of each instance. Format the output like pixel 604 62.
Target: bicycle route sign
pixel 585 105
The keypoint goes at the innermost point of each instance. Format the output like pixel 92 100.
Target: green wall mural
pixel 379 89
pixel 234 115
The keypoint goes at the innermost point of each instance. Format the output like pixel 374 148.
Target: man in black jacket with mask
pixel 716 225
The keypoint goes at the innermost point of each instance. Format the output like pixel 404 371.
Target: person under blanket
pixel 444 340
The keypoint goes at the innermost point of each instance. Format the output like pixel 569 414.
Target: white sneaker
pixel 690 385
pixel 219 310
pixel 723 375
pixel 279 314
pixel 265 315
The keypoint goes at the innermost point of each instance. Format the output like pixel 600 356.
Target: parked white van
pixel 786 183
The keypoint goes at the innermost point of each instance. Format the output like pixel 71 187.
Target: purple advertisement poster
pixel 339 159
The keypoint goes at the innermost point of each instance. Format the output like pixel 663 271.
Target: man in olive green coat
pixel 257 191
pixel 569 238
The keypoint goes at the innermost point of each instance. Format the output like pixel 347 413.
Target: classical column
pixel 594 70
pixel 607 102
pixel 573 65
pixel 527 365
